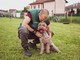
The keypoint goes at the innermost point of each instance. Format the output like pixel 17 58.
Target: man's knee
pixel 23 30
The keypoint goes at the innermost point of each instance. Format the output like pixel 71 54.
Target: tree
pixel 78 11
pixel 25 9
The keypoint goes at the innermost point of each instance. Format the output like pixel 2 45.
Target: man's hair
pixel 44 11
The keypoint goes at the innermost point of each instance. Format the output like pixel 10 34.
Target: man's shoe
pixel 32 45
pixel 27 53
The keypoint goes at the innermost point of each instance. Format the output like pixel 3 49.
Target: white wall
pixel 50 7
pixel 14 14
pixel 18 15
pixel 60 6
pixel 36 6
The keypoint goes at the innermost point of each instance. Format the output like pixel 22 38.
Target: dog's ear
pixel 52 34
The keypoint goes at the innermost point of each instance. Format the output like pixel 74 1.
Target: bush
pixel 51 18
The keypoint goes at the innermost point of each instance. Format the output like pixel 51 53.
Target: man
pixel 28 28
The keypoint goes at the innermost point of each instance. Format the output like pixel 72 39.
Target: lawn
pixel 67 38
pixel 75 19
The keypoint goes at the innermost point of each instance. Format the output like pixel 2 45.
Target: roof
pixel 48 0
pixel 43 1
pixel 76 5
pixel 12 9
pixel 36 3
pixel 4 10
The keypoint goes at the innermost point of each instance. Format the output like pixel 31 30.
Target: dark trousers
pixel 25 35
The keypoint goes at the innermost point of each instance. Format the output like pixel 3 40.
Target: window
pixel 38 6
pixel 34 7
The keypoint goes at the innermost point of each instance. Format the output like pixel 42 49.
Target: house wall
pixel 50 7
pixel 59 6
pixel 54 7
pixel 14 14
pixel 18 15
pixel 36 6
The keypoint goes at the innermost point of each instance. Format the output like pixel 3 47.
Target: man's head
pixel 43 14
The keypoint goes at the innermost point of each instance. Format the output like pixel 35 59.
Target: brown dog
pixel 44 41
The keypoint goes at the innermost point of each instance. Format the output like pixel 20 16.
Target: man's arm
pixel 26 23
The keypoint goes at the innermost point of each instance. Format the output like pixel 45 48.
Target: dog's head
pixel 42 26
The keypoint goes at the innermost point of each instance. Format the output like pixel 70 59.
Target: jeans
pixel 24 34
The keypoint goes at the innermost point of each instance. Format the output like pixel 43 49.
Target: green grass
pixel 75 19
pixel 67 38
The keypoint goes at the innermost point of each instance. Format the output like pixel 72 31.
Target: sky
pixel 20 4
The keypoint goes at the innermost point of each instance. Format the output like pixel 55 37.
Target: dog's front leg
pixel 48 48
pixel 41 46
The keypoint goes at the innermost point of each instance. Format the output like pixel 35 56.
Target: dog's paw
pixel 47 52
pixel 41 52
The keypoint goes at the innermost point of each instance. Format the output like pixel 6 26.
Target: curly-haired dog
pixel 44 41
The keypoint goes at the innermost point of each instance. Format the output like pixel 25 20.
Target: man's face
pixel 43 17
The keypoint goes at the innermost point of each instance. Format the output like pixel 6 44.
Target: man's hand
pixel 38 34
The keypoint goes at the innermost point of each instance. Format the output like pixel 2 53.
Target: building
pixel 73 6
pixel 12 12
pixel 4 13
pixel 53 6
